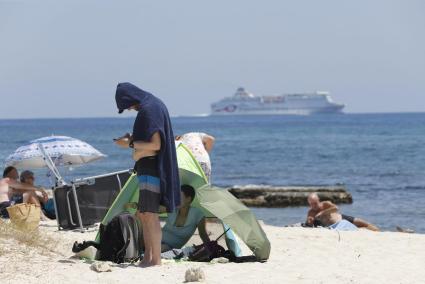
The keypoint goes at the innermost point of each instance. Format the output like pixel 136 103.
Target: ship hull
pixel 305 111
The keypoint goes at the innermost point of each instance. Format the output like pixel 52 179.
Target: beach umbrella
pixel 53 151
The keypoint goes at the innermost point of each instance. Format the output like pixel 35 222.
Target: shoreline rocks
pixel 286 196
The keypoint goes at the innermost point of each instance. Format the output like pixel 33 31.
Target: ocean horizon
pixel 209 115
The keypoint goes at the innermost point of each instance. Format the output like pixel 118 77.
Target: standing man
pixel 154 151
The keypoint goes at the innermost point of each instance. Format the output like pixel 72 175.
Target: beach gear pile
pixel 213 201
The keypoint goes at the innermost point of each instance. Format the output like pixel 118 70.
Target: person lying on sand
pixel 317 206
pixel 332 219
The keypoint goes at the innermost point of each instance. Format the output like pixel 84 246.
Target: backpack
pixel 118 242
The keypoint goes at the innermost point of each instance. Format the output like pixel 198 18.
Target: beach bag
pixel 119 240
pixel 24 216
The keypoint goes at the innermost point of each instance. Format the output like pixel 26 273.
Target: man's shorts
pixel 348 218
pixel 149 185
pixel 149 194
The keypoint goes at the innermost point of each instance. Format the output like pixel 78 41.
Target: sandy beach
pixel 298 255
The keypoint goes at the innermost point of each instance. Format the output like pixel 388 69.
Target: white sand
pixel 298 255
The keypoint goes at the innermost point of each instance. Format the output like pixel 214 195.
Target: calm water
pixel 380 157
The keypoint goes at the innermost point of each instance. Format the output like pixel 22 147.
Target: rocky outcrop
pixel 285 196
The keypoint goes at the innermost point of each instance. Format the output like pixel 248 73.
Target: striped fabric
pixel 149 183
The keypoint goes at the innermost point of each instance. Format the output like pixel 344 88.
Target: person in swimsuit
pixel 182 223
pixel 46 203
pixel 332 219
pixel 15 195
pixel 317 207
pixel 20 195
pixel 6 185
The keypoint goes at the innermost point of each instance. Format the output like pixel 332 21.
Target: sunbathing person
pixel 13 174
pixel 47 204
pixel 21 195
pixel 181 224
pixel 316 207
pixel 332 219
pixel 6 185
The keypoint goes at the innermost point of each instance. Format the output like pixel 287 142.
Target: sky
pixel 65 58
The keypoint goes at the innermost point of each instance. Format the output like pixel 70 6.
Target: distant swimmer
pixel 317 206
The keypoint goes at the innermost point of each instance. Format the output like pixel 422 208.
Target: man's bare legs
pixel 152 236
pixel 363 224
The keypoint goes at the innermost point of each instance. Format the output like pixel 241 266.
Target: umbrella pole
pixel 51 165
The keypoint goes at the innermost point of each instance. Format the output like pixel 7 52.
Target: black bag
pixel 119 240
pixel 210 250
pixel 206 252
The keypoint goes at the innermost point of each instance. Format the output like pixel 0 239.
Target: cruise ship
pixel 245 103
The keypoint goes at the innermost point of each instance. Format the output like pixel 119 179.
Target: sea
pixel 380 158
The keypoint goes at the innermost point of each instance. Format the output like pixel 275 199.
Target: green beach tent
pixel 213 201
pixel 222 204
pixel 218 202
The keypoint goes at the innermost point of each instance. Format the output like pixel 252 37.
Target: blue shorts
pixel 149 194
pixel 343 225
pixel 149 184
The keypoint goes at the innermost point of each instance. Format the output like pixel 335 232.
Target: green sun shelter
pixel 213 201
pixel 218 202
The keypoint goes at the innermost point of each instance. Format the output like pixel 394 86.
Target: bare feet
pixel 43 217
pixel 403 230
pixel 145 264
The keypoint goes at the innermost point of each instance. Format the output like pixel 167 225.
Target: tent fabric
pixel 217 202
pixel 237 216
pixel 213 201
